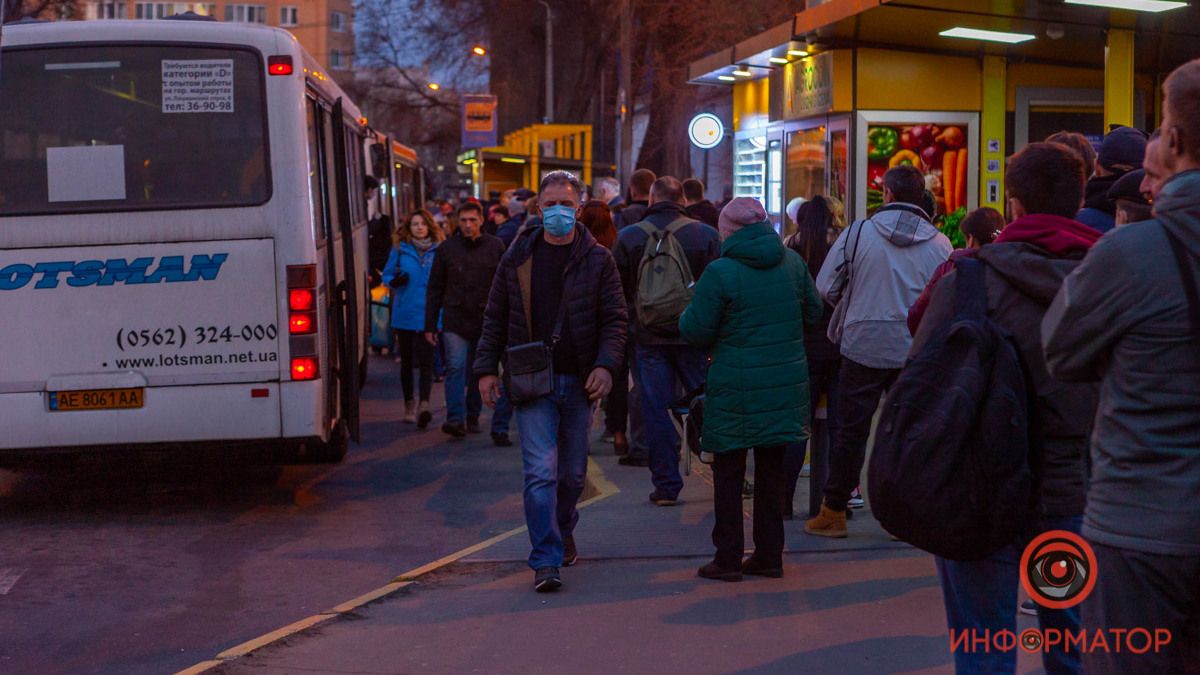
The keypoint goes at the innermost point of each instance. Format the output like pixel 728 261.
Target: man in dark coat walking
pixel 459 283
pixel 548 265
pixel 697 206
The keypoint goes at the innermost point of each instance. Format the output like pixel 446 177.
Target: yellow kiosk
pixel 530 153
pixel 826 102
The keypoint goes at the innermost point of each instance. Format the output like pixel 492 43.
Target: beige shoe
pixel 410 412
pixel 828 523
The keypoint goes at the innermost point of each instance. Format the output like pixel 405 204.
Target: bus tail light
pixel 279 65
pixel 302 320
pixel 305 368
pixel 302 323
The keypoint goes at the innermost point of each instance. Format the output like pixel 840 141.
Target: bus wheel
pixel 333 450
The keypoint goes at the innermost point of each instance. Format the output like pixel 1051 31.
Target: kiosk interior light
pixel 743 71
pixel 1133 5
pixel 779 60
pixel 989 35
pixel 726 78
pixel 798 52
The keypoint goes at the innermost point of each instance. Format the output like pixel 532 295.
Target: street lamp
pixel 479 50
pixel 549 61
pixel 434 86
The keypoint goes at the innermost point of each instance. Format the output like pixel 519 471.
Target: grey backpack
pixel 664 281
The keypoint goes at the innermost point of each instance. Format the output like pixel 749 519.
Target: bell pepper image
pixel 905 157
pixel 882 143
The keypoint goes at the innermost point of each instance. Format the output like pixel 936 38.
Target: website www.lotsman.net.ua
pixel 178 360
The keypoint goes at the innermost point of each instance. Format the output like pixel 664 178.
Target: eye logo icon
pixel 1058 569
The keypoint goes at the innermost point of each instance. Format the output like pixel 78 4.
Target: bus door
pixel 346 289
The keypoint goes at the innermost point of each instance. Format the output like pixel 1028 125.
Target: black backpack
pixel 952 469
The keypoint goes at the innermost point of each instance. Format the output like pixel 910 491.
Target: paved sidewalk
pixel 634 604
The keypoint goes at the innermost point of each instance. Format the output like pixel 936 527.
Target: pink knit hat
pixel 739 213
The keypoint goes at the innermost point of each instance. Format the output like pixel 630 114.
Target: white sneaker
pixel 856 500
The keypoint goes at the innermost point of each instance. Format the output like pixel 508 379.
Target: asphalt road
pixel 152 564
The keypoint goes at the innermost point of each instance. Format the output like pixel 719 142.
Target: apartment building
pixel 324 27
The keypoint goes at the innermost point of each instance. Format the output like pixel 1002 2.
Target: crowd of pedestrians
pixel 559 301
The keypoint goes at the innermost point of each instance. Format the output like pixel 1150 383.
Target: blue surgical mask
pixel 559 219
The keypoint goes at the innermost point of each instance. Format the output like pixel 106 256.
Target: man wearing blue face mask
pixel 556 289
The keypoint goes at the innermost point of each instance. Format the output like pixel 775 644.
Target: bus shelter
pixel 825 103
pixel 527 155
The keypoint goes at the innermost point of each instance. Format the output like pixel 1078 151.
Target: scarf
pixel 422 245
pixel 1061 237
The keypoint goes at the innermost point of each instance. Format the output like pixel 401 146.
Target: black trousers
pixel 822 380
pixel 729 471
pixel 858 390
pixel 415 352
pixel 1144 590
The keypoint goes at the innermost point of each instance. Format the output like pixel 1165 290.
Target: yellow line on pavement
pixel 605 488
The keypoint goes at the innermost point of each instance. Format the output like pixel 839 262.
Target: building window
pixel 288 16
pixel 339 59
pixel 105 10
pixel 246 13
pixel 337 22
pixel 161 10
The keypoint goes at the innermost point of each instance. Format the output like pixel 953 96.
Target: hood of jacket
pixel 756 246
pixel 1061 237
pixel 1178 209
pixel 901 225
pixel 1031 270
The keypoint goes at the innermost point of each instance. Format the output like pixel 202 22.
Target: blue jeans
pixel 656 370
pixel 554 451
pixel 982 595
pixel 463 400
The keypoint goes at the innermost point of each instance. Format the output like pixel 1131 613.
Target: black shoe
pixel 631 460
pixel 424 419
pixel 501 440
pixel 570 553
pixel 663 499
pixel 546 580
pixel 473 425
pixel 714 571
pixel 747 490
pixel 454 429
pixel 1028 607
pixel 757 567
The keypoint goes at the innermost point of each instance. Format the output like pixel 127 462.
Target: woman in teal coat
pixel 749 310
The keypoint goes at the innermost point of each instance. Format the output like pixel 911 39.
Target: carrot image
pixel 960 180
pixel 949 170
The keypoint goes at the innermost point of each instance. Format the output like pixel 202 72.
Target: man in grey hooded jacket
pixel 891 257
pixel 1124 318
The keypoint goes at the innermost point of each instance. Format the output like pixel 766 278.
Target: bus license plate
pixel 97 399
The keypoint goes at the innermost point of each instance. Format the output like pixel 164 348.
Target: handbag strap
pixel 1189 280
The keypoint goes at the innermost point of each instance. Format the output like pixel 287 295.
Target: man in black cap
pixel 1122 151
pixel 1131 204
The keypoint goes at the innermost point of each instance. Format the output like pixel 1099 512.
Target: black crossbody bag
pixel 530 366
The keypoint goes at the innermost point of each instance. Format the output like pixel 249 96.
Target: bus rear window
pixel 131 127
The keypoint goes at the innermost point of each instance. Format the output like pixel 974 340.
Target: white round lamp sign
pixel 706 131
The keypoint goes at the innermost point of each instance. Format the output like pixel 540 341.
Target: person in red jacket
pixel 980 227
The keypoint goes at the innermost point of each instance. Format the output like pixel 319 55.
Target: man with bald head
pixel 662 358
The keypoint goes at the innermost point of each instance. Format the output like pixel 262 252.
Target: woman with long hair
pixel 816 231
pixel 407 273
pixel 598 219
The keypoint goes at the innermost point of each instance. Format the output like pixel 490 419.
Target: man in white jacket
pixel 891 257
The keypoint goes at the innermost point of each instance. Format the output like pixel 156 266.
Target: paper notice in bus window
pixel 85 173
pixel 197 86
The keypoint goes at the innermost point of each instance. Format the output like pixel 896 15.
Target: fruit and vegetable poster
pixel 940 151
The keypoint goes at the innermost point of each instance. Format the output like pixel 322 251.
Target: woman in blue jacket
pixel 407 273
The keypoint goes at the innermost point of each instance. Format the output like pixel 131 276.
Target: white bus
pixel 182 242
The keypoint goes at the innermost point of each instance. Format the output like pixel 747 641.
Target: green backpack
pixel 664 281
